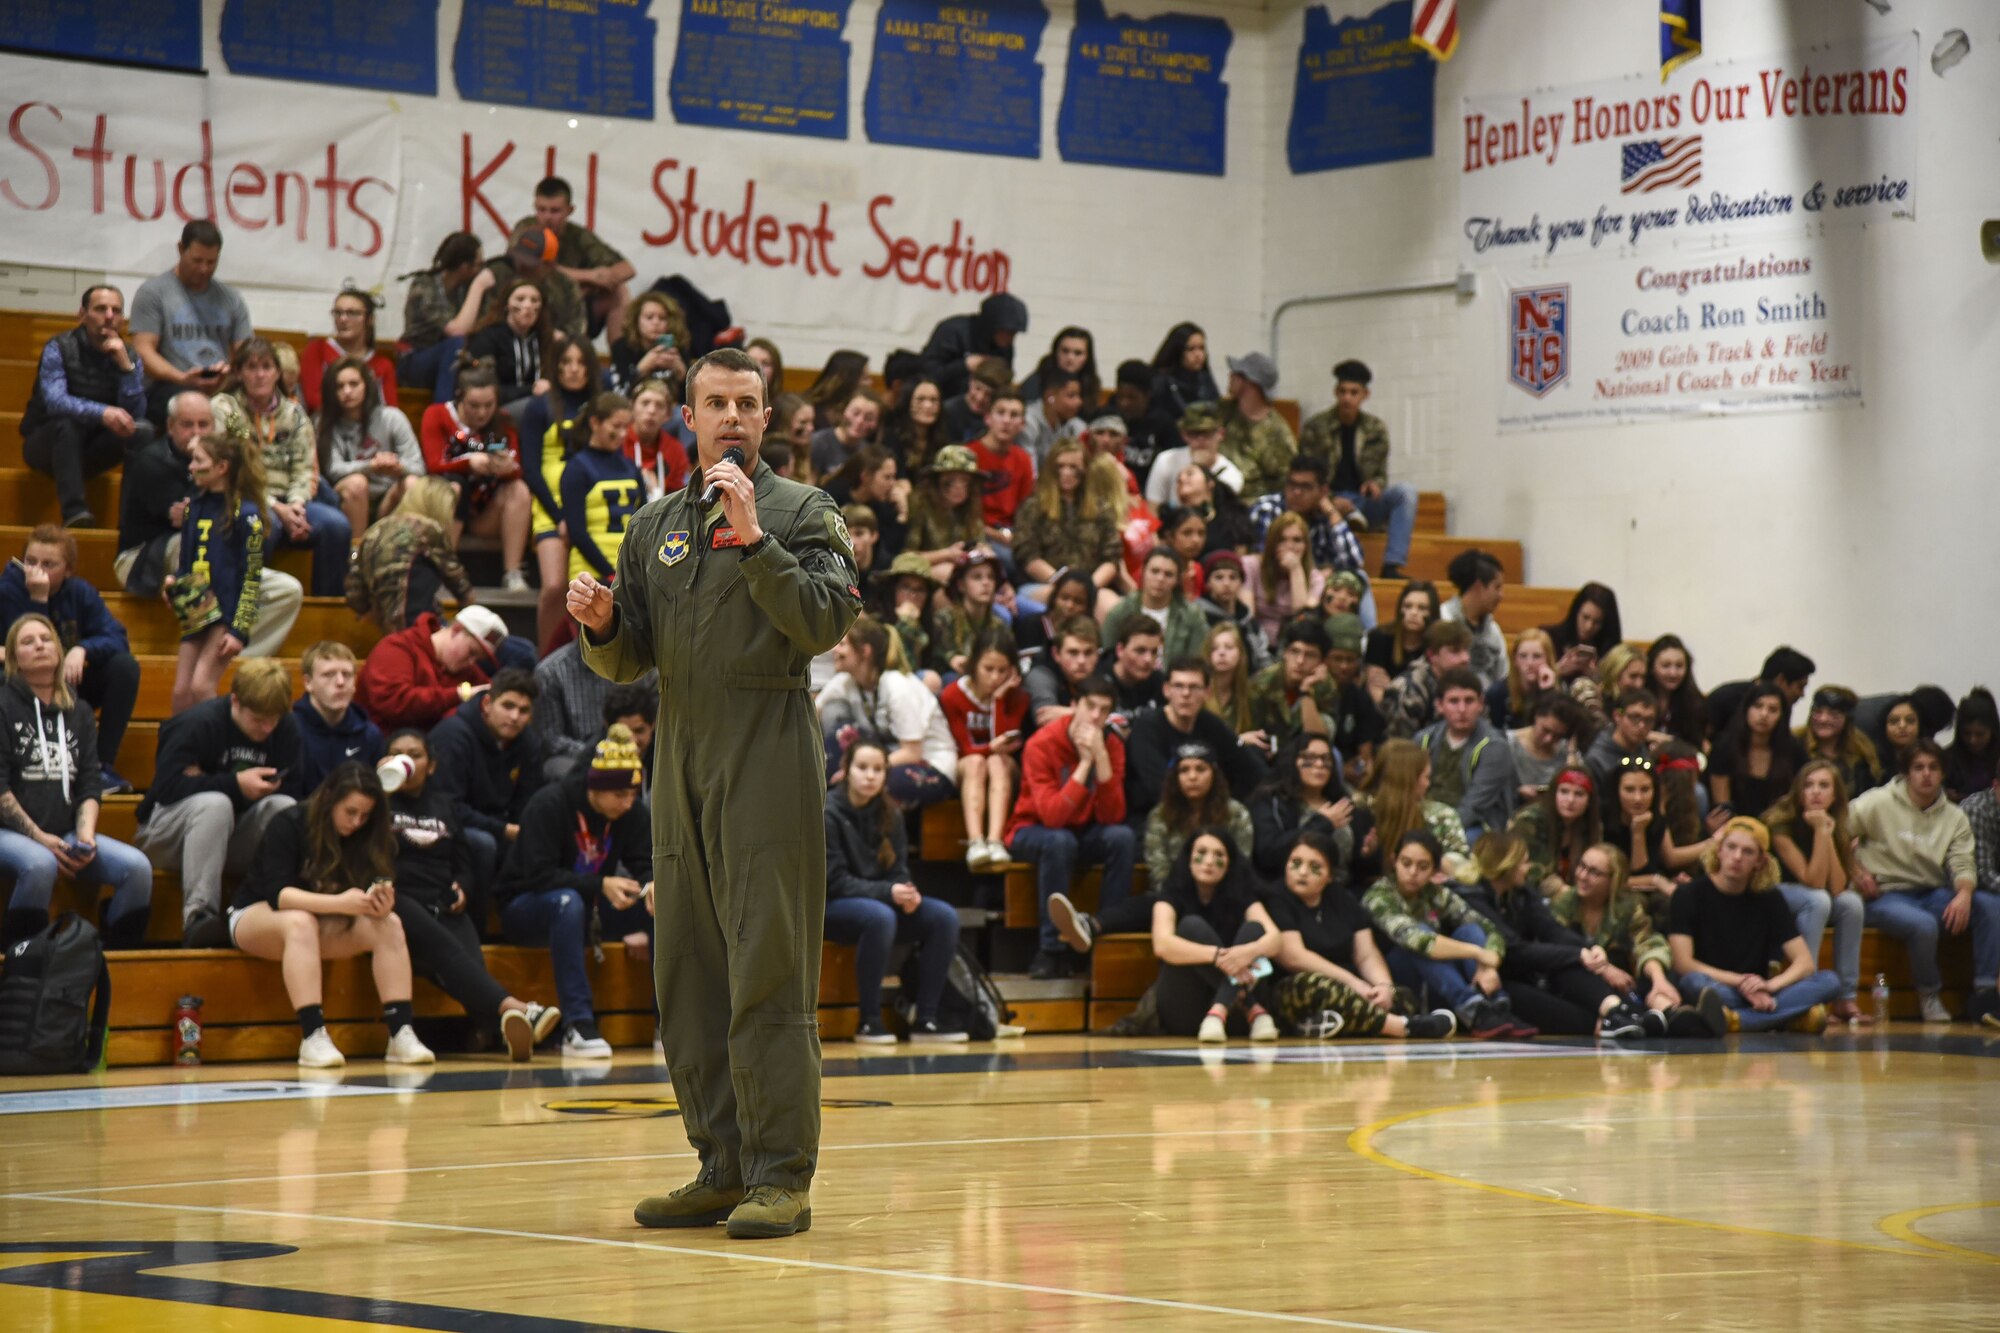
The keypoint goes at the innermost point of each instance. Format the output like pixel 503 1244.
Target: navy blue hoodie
pixel 78 610
pixel 323 747
pixel 489 787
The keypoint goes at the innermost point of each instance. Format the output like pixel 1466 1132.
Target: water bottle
pixel 1880 996
pixel 187 1030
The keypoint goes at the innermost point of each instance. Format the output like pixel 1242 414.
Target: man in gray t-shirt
pixel 185 323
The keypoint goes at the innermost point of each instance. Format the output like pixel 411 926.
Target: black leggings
pixel 1186 992
pixel 1564 1002
pixel 444 950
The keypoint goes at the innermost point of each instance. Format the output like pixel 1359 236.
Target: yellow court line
pixel 1903 1226
pixel 1362 1143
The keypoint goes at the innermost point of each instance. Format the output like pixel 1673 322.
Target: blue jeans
pixel 1914 916
pixel 1056 853
pixel 434 366
pixel 558 920
pixel 1396 506
pixel 1793 1000
pixel 1449 981
pixel 330 537
pixel 34 869
pixel 1812 908
pixel 874 928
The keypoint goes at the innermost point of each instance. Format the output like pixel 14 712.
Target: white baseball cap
pixel 485 626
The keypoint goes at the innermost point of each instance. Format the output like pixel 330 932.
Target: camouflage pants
pixel 1303 996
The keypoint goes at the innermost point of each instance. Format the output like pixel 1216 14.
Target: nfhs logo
pixel 1538 345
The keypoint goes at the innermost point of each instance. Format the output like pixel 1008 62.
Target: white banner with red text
pixel 1753 328
pixel 1720 150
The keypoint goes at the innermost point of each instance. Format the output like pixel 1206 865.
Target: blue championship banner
pixel 593 57
pixel 1146 93
pixel 387 48
pixel 770 65
pixel 958 76
pixel 1363 92
pixel 162 33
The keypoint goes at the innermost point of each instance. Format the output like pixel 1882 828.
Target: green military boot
pixel 696 1204
pixel 768 1212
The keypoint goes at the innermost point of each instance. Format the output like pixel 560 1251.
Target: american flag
pixel 1655 164
pixel 1434 26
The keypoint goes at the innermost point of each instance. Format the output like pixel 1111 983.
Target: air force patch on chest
pixel 675 548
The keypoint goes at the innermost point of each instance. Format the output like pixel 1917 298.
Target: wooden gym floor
pixel 1056 1182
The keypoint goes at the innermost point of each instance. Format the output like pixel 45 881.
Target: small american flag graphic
pixel 1655 164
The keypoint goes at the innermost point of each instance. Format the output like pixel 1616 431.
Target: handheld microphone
pixel 714 492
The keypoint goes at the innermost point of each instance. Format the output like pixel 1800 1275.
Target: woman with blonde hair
pixel 1626 950
pixel 408 558
pixel 1395 792
pixel 1553 974
pixel 214 592
pixel 1814 848
pixel 1531 673
pixel 1726 926
pixel 1226 658
pixel 1064 524
pixel 1282 580
pixel 947 517
pixel 652 344
pixel 1830 733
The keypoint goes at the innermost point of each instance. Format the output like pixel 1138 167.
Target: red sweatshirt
pixel 974 725
pixel 1050 799
pixel 323 352
pixel 404 685
pixel 1010 479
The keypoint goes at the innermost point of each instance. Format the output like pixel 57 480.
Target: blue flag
pixel 1680 34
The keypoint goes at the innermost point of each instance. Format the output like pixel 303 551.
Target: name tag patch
pixel 725 536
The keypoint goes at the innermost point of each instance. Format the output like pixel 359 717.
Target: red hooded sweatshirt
pixel 1050 799
pixel 404 685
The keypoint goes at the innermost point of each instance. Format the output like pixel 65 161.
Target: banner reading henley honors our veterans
pixel 1762 325
pixel 1825 137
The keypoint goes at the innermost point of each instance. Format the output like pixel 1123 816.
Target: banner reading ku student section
pixel 103 173
pixel 1749 328
pixel 1720 151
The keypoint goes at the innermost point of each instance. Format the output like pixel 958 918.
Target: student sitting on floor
pixel 1205 984
pixel 1336 982
pixel 303 904
pixel 1440 946
pixel 1728 926
pixel 872 900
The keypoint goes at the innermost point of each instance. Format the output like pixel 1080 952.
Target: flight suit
pixel 739 850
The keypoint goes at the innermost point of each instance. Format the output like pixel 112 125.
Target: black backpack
pixel 48 1024
pixel 971 1003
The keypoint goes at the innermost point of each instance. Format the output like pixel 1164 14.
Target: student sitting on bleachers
pixel 519 341
pixel 1332 543
pixel 569 708
pixel 600 490
pixel 1670 677
pixel 440 311
pixel 1225 659
pixel 332 730
pixel 873 693
pixel 1209 931
pixel 417 677
pixel 651 345
pixel 1395 648
pixel 1544 746
pixel 1157 735
pixel 634 706
pixel 1356 447
pixel 1973 761
pixel 1830 733
pixel 1282 579
pixel 1222 601
pixel 1162 600
pixel 225 768
pixel 1588 632
pixel 353 337
pixel 1481 583
pixel 1754 757
pixel 970 609
pixel 1411 705
pixel 88 408
pixel 1132 665
pixel 471 443
pixel 1439 946
pixel 1635 822
pixel 251 408
pixel 597 273
pixel 1397 794
pixel 1917 873
pixel 367 450
pixel 1471 766
pixel 1195 795
pixel 1295 694
pixel 1064 525
pixel 987 710
pixel 1335 980
pixel 872 901
pixel 97 661
pixel 49 797
pixel 303 904
pixel 186 322
pixel 216 590
pixel 654 443
pixel 581 841
pixel 433 866
pixel 1814 845
pixel 947 515
pixel 1305 794
pixel 1786 668
pixel 1359 727
pixel 1052 683
pixel 1727 927
pixel 408 560
pixel 489 763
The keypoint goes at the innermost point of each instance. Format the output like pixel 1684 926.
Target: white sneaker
pixel 975 856
pixel 319 1052
pixel 579 1047
pixel 406 1048
pixel 1212 1029
pixel 1933 1007
pixel 1263 1028
pixel 997 855
pixel 514 580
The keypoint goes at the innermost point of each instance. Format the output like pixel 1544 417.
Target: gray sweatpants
pixel 279 597
pixel 203 835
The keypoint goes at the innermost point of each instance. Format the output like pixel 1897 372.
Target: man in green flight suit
pixel 730 605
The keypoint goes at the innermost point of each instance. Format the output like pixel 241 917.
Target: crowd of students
pixel 1122 624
